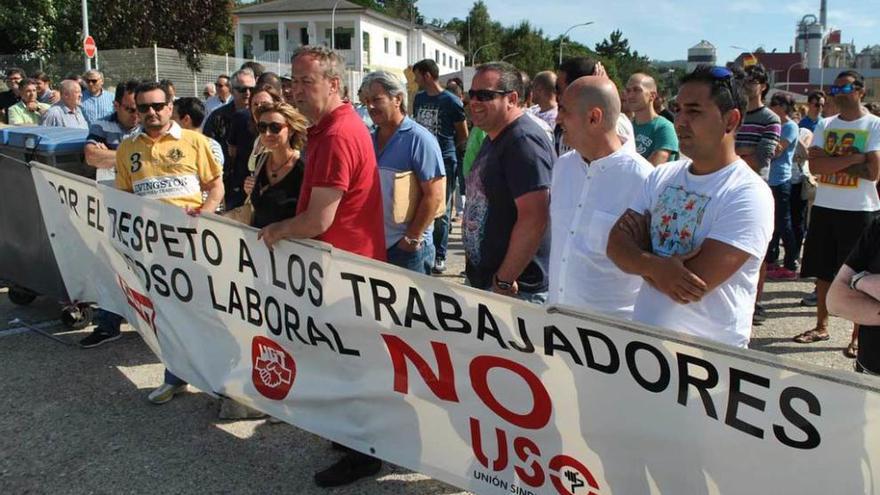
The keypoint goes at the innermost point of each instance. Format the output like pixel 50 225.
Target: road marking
pixel 19 330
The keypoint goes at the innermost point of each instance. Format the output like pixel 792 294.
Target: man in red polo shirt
pixel 341 198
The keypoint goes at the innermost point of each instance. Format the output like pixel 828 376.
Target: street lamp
pixel 509 55
pixel 788 75
pixel 562 38
pixel 474 57
pixel 333 26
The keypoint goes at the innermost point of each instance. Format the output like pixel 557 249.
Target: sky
pixel 665 29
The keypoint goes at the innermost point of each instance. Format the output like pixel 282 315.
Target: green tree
pixel 46 31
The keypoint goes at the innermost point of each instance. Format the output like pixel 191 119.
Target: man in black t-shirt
pixel 855 295
pixel 507 212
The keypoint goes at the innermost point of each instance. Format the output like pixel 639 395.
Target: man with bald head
pixel 592 186
pixel 67 112
pixel 655 136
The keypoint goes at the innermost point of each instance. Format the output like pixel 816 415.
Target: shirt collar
pixel 174 131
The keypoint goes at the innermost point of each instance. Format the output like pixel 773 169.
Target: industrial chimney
pixel 823 14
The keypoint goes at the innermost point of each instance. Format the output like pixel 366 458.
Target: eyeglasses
pixel 93 81
pixel 157 107
pixel 486 94
pixel 272 127
pixel 244 89
pixel 842 90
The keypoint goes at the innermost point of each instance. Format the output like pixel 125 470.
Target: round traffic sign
pixel 89 47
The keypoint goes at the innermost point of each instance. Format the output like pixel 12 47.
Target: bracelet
pixel 855 279
pixel 503 285
pixel 412 242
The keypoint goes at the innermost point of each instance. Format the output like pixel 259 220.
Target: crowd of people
pixel 571 191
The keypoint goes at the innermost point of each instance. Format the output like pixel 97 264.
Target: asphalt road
pixel 77 421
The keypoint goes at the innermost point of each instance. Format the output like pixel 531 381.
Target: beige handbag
pixel 245 213
pixel 406 196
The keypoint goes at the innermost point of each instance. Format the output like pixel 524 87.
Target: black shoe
pixel 759 316
pixel 97 338
pixel 350 468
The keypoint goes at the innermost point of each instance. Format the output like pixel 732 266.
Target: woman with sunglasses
pixel 242 141
pixel 274 189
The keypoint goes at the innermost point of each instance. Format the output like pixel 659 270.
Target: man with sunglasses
pixel 699 229
pixel 14 77
pixel 507 212
pixel 172 165
pixel 759 134
pixel 97 104
pixel 442 113
pixel 846 197
pixel 105 135
pixel 218 126
pixel 816 103
pixel 222 95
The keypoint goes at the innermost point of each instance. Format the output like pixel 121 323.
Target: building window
pixel 398 48
pixel 423 50
pixel 365 46
pixel 444 59
pixel 270 40
pixel 386 46
pixel 304 36
pixel 343 38
pixel 437 56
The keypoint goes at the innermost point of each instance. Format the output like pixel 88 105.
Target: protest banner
pixel 484 392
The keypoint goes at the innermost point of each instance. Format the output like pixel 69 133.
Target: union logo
pixel 175 155
pixel 274 369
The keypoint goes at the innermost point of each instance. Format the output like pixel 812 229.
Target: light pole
pixel 509 55
pixel 332 25
pixel 788 74
pixel 474 58
pixel 85 13
pixel 562 38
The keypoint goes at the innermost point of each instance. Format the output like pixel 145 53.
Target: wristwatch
pixel 501 284
pixel 855 279
pixel 415 243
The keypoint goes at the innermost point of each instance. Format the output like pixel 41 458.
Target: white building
pixel 368 40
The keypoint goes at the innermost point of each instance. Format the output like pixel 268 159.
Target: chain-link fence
pixel 136 63
pixel 153 64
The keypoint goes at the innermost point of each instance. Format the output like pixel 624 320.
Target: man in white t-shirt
pixel 700 227
pixel 845 154
pixel 592 186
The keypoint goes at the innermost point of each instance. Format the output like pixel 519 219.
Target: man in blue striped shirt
pixel 97 104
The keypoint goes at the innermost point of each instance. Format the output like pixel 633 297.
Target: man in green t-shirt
pixel 29 110
pixel 655 136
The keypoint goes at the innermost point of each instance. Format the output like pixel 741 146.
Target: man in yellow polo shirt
pixel 172 165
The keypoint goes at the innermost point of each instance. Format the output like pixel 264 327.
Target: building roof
pixel 703 44
pixel 286 6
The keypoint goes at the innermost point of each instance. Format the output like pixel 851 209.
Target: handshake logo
pixel 274 369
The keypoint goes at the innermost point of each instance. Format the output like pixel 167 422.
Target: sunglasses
pixel 244 89
pixel 157 107
pixel 486 94
pixel 272 127
pixel 93 81
pixel 842 90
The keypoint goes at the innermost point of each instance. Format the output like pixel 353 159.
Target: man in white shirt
pixel 592 186
pixel 700 227
pixel 221 97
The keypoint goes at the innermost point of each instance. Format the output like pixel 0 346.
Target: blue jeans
pixel 533 297
pixel 782 227
pixel 106 322
pixel 172 379
pixel 441 224
pixel 421 260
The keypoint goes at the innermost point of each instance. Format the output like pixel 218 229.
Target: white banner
pixel 487 393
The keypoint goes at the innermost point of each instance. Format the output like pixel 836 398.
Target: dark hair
pixel 727 93
pixel 858 79
pixel 815 95
pixel 42 76
pixel 577 67
pixel 192 107
pixel 510 79
pixel 256 67
pixel 146 86
pixel 758 73
pixel 167 83
pixel 129 86
pixel 269 79
pixel 848 135
pixel 29 81
pixel 784 101
pixel 223 76
pixel 15 70
pixel 73 76
pixel 427 66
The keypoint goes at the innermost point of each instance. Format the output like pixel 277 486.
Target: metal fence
pixel 153 64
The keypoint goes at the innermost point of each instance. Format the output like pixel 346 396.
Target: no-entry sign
pixel 89 47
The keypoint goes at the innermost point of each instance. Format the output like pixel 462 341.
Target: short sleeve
pixel 123 177
pixel 534 164
pixel 456 110
pixel 819 135
pixel 667 140
pixel 211 168
pixel 790 133
pixel 873 143
pixel 866 248
pixel 745 220
pixel 96 135
pixel 641 203
pixel 332 165
pixel 427 159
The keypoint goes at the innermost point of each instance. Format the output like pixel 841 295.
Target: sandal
pixel 852 350
pixel 810 336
